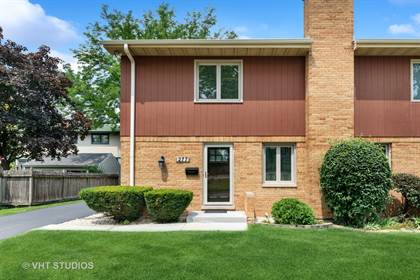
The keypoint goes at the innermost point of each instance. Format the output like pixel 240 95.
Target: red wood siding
pixel 383 93
pixel 273 93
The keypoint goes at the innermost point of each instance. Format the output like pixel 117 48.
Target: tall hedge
pixel 356 179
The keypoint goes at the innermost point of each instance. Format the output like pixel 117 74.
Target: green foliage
pixel 96 86
pixel 93 169
pixel 123 203
pixel 409 186
pixel 415 221
pixel 37 118
pixel 167 205
pixel 356 179
pixel 394 223
pixel 292 211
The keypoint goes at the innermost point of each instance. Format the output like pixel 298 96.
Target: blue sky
pixel 60 23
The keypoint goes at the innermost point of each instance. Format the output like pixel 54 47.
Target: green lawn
pixel 16 210
pixel 263 252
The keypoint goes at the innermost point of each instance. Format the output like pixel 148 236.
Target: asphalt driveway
pixel 19 223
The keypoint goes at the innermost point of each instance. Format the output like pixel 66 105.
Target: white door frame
pixel 231 175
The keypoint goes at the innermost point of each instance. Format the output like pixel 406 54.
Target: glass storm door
pixel 218 174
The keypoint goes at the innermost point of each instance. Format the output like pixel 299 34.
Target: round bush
pixel 356 179
pixel 166 205
pixel 293 212
pixel 123 203
pixel 409 187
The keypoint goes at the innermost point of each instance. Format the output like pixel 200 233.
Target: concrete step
pixel 227 217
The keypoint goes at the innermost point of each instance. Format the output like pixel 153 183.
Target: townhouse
pixel 244 123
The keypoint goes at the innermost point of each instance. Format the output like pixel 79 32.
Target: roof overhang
pixel 215 47
pixel 391 47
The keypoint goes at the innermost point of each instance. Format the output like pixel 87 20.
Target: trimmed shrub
pixel 167 205
pixel 356 179
pixel 292 211
pixel 123 203
pixel 409 187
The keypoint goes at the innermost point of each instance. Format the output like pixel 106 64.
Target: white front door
pixel 218 174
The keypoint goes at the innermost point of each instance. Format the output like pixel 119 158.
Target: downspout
pixel 132 112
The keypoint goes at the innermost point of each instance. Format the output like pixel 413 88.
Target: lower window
pixel 100 139
pixel 386 148
pixel 279 165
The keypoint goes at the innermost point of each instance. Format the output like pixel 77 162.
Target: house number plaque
pixel 182 159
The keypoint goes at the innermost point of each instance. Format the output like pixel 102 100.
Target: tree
pixel 37 118
pixel 96 86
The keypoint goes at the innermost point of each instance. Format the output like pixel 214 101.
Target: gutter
pixel 132 112
pixel 194 43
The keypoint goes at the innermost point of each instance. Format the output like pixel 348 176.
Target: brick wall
pixel 248 164
pixel 405 153
pixel 329 84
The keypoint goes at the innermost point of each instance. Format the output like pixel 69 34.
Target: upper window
pixel 102 139
pixel 415 80
pixel 218 81
pixel 279 165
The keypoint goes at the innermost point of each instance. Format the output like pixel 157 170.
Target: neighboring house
pixel 80 163
pixel 101 140
pixel 254 118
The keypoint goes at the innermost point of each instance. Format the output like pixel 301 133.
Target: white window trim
pixel 218 63
pixel 278 183
pixel 232 176
pixel 413 61
pixel 388 152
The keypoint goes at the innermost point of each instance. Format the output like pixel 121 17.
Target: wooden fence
pixel 27 187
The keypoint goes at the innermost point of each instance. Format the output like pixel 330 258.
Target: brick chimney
pixel 329 84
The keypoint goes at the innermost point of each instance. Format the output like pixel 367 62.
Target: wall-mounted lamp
pixel 161 162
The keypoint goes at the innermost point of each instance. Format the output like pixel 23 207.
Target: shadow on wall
pixel 164 173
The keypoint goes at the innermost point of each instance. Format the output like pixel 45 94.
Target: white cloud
pixel 28 24
pixel 401 29
pixel 67 58
pixel 416 18
pixel 242 32
pixel 245 32
pixel 241 29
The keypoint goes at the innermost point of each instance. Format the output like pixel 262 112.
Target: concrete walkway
pixel 153 227
pixel 100 222
pixel 19 223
